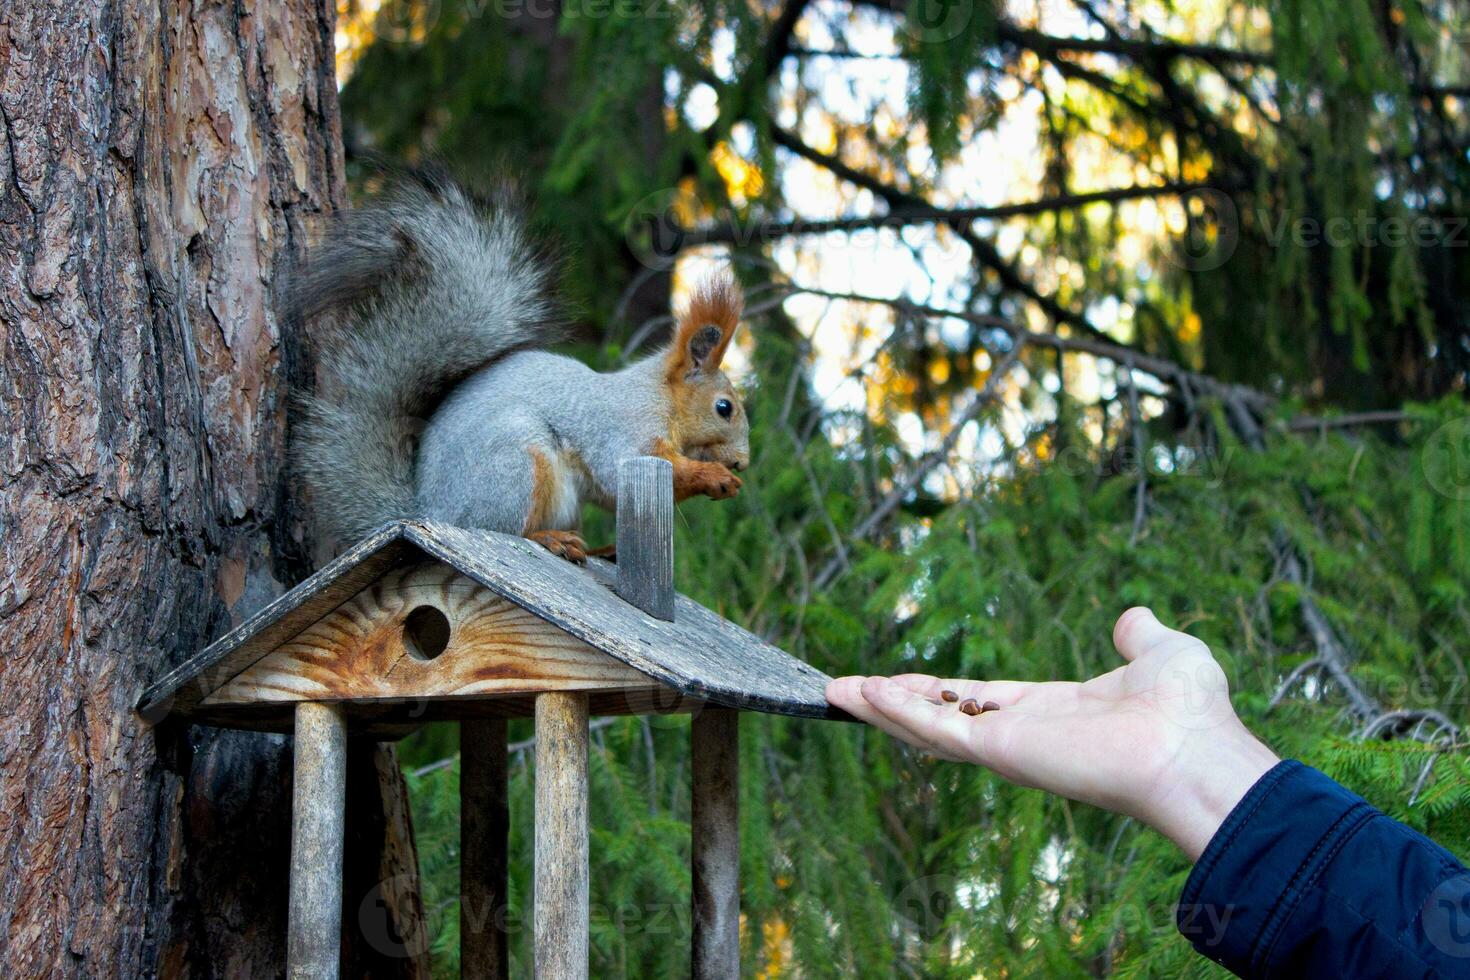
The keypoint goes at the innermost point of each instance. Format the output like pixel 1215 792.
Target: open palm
pixel 1156 738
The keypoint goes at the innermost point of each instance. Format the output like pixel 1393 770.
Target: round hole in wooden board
pixel 425 632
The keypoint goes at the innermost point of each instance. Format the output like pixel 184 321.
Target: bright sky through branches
pixel 998 165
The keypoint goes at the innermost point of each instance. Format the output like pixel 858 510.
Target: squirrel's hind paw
pixel 565 544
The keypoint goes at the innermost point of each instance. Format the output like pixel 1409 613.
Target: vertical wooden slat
pixel 314 944
pixel 715 773
pixel 484 821
pixel 645 535
pixel 561 909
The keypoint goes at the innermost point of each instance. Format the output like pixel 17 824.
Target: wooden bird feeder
pixel 423 621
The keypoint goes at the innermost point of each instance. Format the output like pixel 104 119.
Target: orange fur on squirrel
pixel 716 302
pixel 543 492
pixel 706 326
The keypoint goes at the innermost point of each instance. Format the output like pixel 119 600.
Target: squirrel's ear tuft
pixel 706 340
pixel 706 327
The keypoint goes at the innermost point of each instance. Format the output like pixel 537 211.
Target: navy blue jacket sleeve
pixel 1305 879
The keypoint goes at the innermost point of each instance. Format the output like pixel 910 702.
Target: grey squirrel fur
pixel 436 400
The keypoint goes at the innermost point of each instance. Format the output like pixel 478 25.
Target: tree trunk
pixel 159 166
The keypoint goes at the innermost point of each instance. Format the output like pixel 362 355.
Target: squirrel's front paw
pixel 720 483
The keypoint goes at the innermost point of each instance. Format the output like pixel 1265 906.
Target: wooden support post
pixel 484 821
pixel 314 944
pixel 715 773
pixel 645 535
pixel 561 907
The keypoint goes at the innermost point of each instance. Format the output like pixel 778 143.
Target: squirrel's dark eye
pixel 725 408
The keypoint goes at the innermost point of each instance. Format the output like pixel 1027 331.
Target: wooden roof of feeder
pixel 423 621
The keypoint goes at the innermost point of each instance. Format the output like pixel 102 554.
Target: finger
pixel 933 688
pixel 871 713
pixel 935 728
pixel 1126 631
pixel 846 693
pixel 1138 632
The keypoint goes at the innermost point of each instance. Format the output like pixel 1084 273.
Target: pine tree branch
pixel 778 42
pixel 922 467
pixel 1135 50
pixel 1021 338
pixel 1160 71
pixel 749 86
pixel 1313 423
pixel 893 196
pixel 1135 426
pixel 1158 49
pixel 1297 674
pixel 1155 49
pixel 984 252
pixel 745 233
pixel 1396 721
pixel 1332 655
pixel 1165 370
pixel 845 54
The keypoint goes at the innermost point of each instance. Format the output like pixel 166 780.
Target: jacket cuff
pixel 1267 854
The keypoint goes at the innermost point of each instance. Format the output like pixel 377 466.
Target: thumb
pixel 1138 631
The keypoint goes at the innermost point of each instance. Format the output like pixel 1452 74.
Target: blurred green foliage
pixel 862 858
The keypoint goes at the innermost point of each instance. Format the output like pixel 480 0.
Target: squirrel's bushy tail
pixel 418 290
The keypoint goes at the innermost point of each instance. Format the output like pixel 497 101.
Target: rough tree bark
pixel 160 164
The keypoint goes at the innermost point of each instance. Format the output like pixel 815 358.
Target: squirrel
pixel 437 399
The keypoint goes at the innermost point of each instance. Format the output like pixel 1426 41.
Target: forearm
pixel 1209 782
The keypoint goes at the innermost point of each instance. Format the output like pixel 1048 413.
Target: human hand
pixel 1156 738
